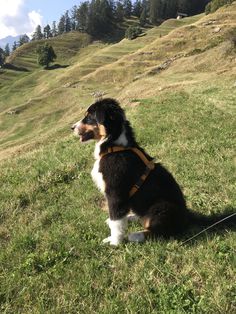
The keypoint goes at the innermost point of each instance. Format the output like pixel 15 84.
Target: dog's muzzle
pixel 82 132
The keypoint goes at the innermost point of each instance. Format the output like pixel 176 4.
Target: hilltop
pixel 177 84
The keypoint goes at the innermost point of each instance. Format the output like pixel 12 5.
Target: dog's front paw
pixel 106 240
pixel 107 221
pixel 111 241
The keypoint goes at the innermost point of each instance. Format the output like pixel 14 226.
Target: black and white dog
pixel 122 172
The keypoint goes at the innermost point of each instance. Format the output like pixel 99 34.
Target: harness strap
pixel 149 164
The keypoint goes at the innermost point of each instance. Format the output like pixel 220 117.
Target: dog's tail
pixel 219 221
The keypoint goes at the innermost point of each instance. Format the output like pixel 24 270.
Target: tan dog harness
pixel 149 164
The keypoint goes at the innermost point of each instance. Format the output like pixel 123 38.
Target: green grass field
pixel 51 222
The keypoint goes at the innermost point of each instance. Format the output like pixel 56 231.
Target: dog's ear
pixel 116 114
pixel 100 116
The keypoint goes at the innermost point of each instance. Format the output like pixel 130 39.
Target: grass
pixel 51 223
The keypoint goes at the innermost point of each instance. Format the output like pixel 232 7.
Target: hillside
pixel 30 89
pixel 177 84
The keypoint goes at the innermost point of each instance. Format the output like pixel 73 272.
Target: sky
pixel 19 17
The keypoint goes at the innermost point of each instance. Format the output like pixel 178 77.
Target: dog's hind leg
pixel 139 236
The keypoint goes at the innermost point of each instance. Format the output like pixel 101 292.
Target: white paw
pixel 106 240
pixel 111 241
pixel 107 221
pixel 136 237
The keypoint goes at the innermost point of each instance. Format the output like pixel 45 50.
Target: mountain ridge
pixel 9 40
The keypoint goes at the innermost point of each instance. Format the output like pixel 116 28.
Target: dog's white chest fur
pixel 97 176
pixel 95 173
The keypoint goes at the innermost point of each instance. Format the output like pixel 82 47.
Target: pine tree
pixel 170 9
pixel 14 47
pixel 67 22
pixel 2 57
pixel 155 11
pixel 47 32
pixel 119 12
pixel 24 39
pixel 37 35
pixel 82 16
pixel 99 18
pixel 184 6
pixel 61 25
pixel 54 29
pixel 137 8
pixel 143 17
pixel 73 19
pixel 197 6
pixel 46 55
pixel 7 50
pixel 127 4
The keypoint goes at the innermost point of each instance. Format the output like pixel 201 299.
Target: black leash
pixel 211 226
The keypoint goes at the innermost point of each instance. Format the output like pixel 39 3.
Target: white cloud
pixel 15 19
pixel 34 18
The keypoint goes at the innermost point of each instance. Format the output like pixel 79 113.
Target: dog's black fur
pixel 159 202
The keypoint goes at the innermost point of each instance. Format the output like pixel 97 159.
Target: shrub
pixel 133 32
pixel 46 55
pixel 215 5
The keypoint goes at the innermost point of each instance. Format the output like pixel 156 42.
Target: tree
pixel 24 39
pixel 100 18
pixel 132 32
pixel 46 55
pixel 73 20
pixel 67 22
pixel 82 16
pixel 37 35
pixel 47 32
pixel 61 25
pixel 119 12
pixel 143 17
pixel 127 4
pixel 2 57
pixel 184 6
pixel 54 29
pixel 137 8
pixel 155 11
pixel 170 9
pixel 7 50
pixel 14 47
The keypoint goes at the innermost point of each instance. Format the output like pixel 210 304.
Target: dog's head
pixel 103 119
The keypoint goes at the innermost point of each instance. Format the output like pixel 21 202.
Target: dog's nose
pixel 72 127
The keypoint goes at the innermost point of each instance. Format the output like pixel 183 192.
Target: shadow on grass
pixel 57 66
pixel 218 224
pixel 12 67
pixel 214 225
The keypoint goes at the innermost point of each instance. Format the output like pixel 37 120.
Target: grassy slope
pixel 39 93
pixel 51 222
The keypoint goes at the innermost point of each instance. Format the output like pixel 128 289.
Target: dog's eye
pixel 89 120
